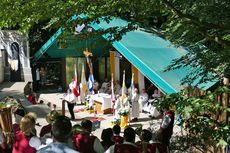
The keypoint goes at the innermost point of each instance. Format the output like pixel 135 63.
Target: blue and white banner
pixel 90 82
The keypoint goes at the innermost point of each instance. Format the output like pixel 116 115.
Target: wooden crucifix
pixel 87 54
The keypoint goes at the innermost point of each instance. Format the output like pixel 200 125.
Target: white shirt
pixel 57 148
pixel 97 146
pixel 95 85
pixel 104 84
pixel 71 85
pixel 37 75
pixel 70 97
pixel 166 120
pixel 111 149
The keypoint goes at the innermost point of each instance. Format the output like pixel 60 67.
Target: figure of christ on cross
pixel 87 54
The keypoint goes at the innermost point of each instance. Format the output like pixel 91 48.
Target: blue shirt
pixel 57 147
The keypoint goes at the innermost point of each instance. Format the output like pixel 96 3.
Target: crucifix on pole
pixel 87 54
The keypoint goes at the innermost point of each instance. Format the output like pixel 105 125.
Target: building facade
pixel 14 57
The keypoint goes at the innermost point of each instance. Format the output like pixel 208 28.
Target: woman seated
pixel 32 98
pixel 25 140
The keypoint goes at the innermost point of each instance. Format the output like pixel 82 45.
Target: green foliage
pixel 200 115
pixel 70 69
pixel 200 26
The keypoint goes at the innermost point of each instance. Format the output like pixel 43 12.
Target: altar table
pixel 102 103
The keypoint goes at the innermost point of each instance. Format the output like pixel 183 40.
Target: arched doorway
pixel 15 72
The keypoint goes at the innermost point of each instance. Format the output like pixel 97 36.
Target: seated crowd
pixel 58 136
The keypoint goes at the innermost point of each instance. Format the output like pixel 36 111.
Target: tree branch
pixel 193 19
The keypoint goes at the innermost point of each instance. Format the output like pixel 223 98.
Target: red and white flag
pixel 76 87
pixel 112 94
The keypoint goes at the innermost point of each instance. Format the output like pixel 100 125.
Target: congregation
pixel 59 136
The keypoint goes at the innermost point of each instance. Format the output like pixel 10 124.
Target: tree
pixel 200 26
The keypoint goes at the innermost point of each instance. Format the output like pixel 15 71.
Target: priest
pixel 143 99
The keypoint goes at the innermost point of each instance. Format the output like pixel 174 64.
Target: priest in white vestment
pixel 117 106
pixel 143 99
pixel 135 105
pixel 117 88
pixel 103 86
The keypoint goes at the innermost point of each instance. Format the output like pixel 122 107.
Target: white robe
pixel 126 103
pixel 103 87
pixel 71 85
pixel 117 88
pixel 95 85
pixel 143 99
pixel 135 105
pixel 117 106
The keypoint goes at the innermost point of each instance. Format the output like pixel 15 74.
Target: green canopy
pixel 151 54
pixel 148 52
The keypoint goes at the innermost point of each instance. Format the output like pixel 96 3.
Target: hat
pixel 51 116
pixel 77 129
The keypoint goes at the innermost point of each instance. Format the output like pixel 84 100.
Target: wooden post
pixel 63 107
pixel 225 101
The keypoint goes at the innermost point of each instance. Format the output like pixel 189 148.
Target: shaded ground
pixel 16 90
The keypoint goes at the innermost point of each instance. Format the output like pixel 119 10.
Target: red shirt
pixel 118 139
pixel 126 148
pixel 21 144
pixel 45 129
pixel 162 148
pixel 84 143
pixel 16 128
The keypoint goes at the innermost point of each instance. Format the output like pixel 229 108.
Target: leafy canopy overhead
pixel 202 26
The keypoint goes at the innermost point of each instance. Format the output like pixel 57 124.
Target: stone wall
pixel 1 67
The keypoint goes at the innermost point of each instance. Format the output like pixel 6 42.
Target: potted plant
pixel 7 106
pixel 124 112
pixel 86 99
pixel 89 109
pixel 115 122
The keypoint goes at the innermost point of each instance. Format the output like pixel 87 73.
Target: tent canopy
pixel 149 53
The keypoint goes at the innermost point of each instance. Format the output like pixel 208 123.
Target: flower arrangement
pixel 123 111
pixel 89 107
pixel 116 122
pixel 86 99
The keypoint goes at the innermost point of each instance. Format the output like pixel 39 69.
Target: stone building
pixel 14 57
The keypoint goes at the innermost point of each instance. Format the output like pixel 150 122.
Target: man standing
pixel 37 79
pixel 71 85
pixel 61 130
pixel 135 105
pixel 166 128
pixel 43 77
pixel 70 99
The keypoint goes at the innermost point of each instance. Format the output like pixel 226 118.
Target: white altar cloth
pixel 105 99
